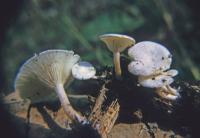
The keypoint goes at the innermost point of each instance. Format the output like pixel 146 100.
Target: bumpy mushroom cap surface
pixel 38 76
pixel 117 42
pixel 149 58
pixel 83 70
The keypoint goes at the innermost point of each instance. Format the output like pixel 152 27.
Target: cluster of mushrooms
pixel 51 70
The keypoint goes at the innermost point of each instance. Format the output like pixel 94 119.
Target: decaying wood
pixel 108 119
pixel 99 101
pixel 137 109
pixel 103 120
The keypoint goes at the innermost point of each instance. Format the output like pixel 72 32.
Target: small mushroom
pixel 151 64
pixel 155 81
pixel 42 74
pixel 171 72
pixel 164 92
pixel 83 71
pixel 117 43
pixel 162 84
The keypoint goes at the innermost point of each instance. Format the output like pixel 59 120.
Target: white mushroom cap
pixel 38 76
pixel 155 81
pixel 171 72
pixel 149 58
pixel 117 42
pixel 138 68
pixel 83 70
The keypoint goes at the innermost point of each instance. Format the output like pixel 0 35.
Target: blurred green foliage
pixel 76 25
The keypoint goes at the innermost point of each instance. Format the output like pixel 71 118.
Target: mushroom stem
pixel 68 109
pixel 118 71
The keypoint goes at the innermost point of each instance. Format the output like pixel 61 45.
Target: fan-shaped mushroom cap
pixel 83 70
pixel 155 81
pixel 149 58
pixel 171 72
pixel 39 75
pixel 117 42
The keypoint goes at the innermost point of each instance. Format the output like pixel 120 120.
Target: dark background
pixel 28 27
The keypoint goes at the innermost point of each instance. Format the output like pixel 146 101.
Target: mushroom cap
pixel 39 75
pixel 117 42
pixel 155 81
pixel 83 70
pixel 172 72
pixel 149 58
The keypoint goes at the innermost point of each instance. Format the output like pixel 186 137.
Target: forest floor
pixel 142 113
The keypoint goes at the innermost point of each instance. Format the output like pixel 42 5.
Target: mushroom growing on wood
pixel 46 72
pixel 117 43
pixel 151 62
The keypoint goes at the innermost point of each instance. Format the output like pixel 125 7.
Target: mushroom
pixel 151 62
pixel 117 43
pixel 83 70
pixel 42 74
pixel 164 92
pixel 155 81
pixel 149 58
pixel 158 80
pixel 162 84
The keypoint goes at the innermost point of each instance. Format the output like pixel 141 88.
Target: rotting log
pixel 141 110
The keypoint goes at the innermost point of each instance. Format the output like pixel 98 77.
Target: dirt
pixel 47 124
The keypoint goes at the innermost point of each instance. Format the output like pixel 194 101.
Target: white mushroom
pixel 46 72
pixel 162 84
pixel 164 92
pixel 149 58
pixel 155 81
pixel 83 71
pixel 171 72
pixel 151 62
pixel 117 43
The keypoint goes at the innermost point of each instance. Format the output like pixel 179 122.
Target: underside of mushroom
pixel 117 43
pixel 167 92
pixel 45 72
